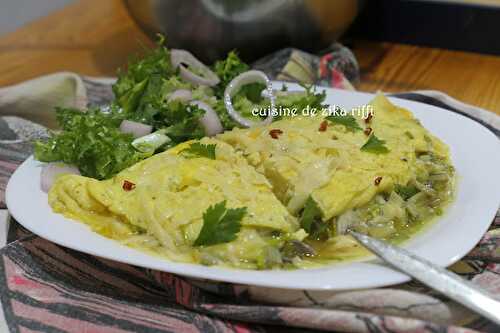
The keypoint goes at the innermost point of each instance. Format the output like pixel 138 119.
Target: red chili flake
pixel 368 131
pixel 323 126
pixel 275 133
pixel 128 186
pixel 378 180
pixel 369 118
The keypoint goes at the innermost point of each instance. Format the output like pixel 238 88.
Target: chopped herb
pixel 311 221
pixel 406 192
pixel 220 225
pixel 347 120
pixel 375 145
pixel 199 150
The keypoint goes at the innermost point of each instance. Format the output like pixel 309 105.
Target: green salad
pixel 95 140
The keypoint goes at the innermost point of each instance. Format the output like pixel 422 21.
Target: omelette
pixel 159 203
pixel 275 196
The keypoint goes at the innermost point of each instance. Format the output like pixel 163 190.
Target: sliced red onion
pixel 183 95
pixel 210 120
pixel 184 60
pixel 135 128
pixel 235 85
pixel 50 171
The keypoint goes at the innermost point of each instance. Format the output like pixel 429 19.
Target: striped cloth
pixel 49 288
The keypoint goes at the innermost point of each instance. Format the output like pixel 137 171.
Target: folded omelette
pixel 302 182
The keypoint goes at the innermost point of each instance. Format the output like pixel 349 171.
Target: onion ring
pixel 135 128
pixel 210 120
pixel 183 95
pixel 184 60
pixel 235 85
pixel 50 171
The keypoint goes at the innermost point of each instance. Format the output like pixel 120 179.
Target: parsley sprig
pixel 375 145
pixel 220 225
pixel 347 120
pixel 199 150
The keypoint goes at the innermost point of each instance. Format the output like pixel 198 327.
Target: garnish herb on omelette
pixel 200 150
pixel 220 225
pixel 347 120
pixel 179 166
pixel 375 145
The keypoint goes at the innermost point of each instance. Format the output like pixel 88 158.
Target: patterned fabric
pixel 49 288
pixel 35 99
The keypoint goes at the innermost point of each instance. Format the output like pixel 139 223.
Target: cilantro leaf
pixel 347 120
pixel 311 221
pixel 406 192
pixel 220 225
pixel 375 145
pixel 199 150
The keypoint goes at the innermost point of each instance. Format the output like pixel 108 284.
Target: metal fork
pixel 435 277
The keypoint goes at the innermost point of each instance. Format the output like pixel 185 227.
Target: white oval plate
pixel 476 155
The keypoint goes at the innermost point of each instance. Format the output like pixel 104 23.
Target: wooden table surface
pixel 95 37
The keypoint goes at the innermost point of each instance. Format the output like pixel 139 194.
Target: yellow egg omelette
pixel 275 196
